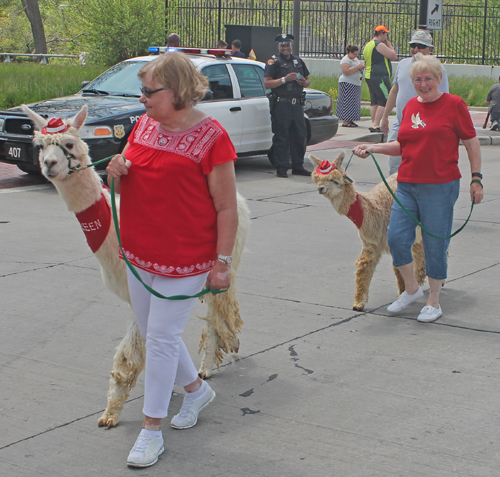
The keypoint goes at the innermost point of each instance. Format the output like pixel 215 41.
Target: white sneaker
pixel 429 313
pixel 188 415
pixel 146 451
pixel 404 300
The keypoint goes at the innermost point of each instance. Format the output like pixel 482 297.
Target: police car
pixel 236 98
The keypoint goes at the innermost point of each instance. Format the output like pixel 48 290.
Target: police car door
pixel 221 103
pixel 256 135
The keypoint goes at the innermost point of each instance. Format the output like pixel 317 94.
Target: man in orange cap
pixel 378 54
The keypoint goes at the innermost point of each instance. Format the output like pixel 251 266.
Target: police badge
pixel 119 131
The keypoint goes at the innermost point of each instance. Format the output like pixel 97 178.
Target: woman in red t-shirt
pixel 178 222
pixel 428 179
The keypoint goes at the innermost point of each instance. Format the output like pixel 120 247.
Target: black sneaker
pixel 301 172
pixel 282 173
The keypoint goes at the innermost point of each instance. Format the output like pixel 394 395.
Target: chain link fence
pixel 470 34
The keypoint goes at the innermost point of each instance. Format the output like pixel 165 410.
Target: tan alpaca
pixel 370 211
pixel 82 190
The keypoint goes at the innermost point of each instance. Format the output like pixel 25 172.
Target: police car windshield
pixel 120 80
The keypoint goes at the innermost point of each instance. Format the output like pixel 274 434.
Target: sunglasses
pixel 148 93
pixel 418 45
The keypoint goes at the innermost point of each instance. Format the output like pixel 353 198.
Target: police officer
pixel 287 76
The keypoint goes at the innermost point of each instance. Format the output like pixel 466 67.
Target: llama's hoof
pixel 358 307
pixel 235 345
pixel 107 420
pixel 205 373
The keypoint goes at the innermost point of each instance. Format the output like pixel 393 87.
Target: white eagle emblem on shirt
pixel 417 121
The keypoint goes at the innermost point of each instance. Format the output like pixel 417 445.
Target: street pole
pixel 296 27
pixel 422 19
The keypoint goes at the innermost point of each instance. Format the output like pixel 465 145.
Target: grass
pixel 471 89
pixel 30 82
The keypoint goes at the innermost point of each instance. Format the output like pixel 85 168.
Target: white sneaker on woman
pixel 146 450
pixel 188 415
pixel 429 313
pixel 404 300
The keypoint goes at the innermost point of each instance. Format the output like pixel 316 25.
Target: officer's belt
pixel 280 99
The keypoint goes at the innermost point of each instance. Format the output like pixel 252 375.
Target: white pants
pixel 161 323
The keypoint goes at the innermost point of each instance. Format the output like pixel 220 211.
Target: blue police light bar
pixel 193 51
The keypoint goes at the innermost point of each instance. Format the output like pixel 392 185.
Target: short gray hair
pixel 428 63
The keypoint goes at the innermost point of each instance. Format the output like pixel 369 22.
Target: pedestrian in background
pixel 403 90
pixel 349 97
pixel 493 101
pixel 378 54
pixel 173 40
pixel 286 75
pixel 221 44
pixel 236 47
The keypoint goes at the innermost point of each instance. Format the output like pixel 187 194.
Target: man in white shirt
pixel 403 90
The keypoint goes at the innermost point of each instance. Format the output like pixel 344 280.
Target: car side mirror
pixel 84 83
pixel 208 95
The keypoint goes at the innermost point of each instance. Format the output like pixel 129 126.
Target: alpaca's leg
pixel 128 363
pixel 399 278
pixel 219 337
pixel 419 262
pixel 366 263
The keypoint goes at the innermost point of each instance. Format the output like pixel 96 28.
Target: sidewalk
pixel 319 389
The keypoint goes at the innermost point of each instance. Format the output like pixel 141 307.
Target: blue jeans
pixel 432 205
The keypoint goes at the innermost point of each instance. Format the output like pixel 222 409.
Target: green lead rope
pixel 408 212
pixel 130 266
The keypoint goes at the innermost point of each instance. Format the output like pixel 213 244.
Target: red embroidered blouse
pixel 167 216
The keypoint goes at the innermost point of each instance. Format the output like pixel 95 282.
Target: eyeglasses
pixel 428 79
pixel 148 93
pixel 420 46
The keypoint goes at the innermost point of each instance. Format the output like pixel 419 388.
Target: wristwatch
pixel 477 174
pixel 227 259
pixel 283 80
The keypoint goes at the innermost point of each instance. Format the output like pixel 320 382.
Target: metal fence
pixel 470 34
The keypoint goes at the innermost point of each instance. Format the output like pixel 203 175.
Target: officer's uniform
pixel 287 111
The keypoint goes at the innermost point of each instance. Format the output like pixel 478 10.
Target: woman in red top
pixel 428 179
pixel 178 222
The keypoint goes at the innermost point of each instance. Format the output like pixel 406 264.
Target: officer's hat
pixel 283 39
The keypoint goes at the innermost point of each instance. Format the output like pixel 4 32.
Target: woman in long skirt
pixel 349 98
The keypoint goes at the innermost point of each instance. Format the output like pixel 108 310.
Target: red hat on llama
pixel 55 126
pixel 325 168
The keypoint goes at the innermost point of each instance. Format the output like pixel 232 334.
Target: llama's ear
pixel 340 158
pixel 80 117
pixel 315 160
pixel 36 118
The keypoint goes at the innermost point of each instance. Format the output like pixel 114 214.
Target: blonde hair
pixel 426 63
pixel 175 71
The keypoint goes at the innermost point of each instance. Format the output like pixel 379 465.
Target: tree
pixel 35 18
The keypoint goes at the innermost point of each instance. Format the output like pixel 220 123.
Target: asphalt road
pixel 319 390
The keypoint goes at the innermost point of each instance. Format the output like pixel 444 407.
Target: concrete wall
pixel 331 67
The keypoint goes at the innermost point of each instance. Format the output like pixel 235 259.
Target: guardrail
pixel 10 56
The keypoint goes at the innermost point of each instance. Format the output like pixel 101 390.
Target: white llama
pixel 63 160
pixel 370 212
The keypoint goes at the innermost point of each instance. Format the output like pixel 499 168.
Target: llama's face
pixel 329 177
pixel 61 150
pixel 59 154
pixel 330 184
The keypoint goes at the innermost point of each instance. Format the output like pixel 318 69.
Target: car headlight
pixel 95 132
pixel 1 124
